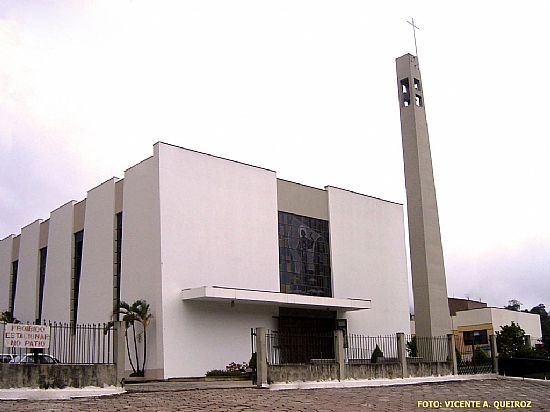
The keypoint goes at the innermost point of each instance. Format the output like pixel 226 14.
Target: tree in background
pixel 511 341
pixel 514 305
pixel 540 310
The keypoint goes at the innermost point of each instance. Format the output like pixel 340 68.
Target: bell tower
pixel 428 270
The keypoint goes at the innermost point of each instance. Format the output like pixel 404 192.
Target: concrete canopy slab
pixel 259 297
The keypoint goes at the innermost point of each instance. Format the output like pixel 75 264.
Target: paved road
pixel 172 396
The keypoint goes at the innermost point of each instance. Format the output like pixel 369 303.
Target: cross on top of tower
pixel 414 34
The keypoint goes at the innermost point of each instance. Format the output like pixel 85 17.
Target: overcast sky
pixel 306 88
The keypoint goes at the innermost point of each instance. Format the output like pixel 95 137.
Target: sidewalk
pixel 184 396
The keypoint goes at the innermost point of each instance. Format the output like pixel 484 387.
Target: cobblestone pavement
pixel 170 396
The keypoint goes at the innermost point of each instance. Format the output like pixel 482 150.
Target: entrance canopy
pixel 260 297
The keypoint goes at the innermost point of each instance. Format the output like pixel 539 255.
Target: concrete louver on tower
pixel 428 270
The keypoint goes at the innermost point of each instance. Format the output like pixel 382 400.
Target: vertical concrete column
pixel 261 358
pixel 451 348
pixel 494 353
pixel 340 354
pixel 431 306
pixel 402 354
pixel 119 351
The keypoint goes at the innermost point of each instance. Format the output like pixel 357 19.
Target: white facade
pixel 219 227
pixel 141 261
pixel 200 243
pixel 59 266
pixel 360 269
pixel 96 282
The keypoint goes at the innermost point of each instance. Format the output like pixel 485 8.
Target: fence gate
pixel 473 354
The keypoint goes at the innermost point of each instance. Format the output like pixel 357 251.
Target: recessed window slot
pixel 405 86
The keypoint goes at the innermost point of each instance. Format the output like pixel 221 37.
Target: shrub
pixel 233 369
pixel 220 372
pixel 412 347
pixel 236 367
pixel 480 356
pixel 376 353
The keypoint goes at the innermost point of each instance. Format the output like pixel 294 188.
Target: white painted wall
pixel 219 227
pixel 211 335
pixel 26 295
pixel 368 260
pixel 6 246
pixel 529 322
pixel 95 301
pixel 141 263
pixel 57 285
pixel 472 317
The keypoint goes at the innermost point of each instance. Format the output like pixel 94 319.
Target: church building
pixel 216 247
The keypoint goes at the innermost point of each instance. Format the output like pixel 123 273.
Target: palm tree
pixel 139 312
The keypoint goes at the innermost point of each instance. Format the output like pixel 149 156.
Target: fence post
pixel 494 353
pixel 402 354
pixel 340 354
pixel 451 349
pixel 119 351
pixel 261 358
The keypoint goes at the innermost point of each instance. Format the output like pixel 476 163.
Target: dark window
pixel 13 285
pixel 417 84
pixel 475 337
pixel 304 259
pixel 77 267
pixel 42 279
pixel 418 100
pixel 118 261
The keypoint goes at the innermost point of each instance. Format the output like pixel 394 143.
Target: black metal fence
pixel 298 349
pixel 360 349
pixel 525 368
pixel 69 344
pixel 473 357
pixel 427 348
